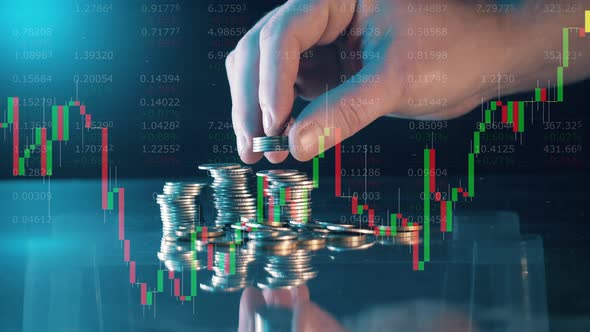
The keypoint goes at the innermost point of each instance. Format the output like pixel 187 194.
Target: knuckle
pixel 270 29
pixel 350 115
pixel 238 124
pixel 246 44
pixel 278 26
pixel 229 60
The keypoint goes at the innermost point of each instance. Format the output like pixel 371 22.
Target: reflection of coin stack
pixel 179 209
pixel 340 237
pixel 227 278
pixel 232 192
pixel 311 241
pixel 267 241
pixel 286 265
pixel 178 256
pixel 404 235
pixel 288 271
pixel 180 253
pixel 287 196
pixel 349 241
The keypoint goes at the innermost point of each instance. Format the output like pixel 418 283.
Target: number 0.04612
pixel 31 219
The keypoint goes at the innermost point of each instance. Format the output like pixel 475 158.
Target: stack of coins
pixel 179 207
pixel 227 278
pixel 284 240
pixel 232 192
pixel 287 196
pixel 184 188
pixel 270 144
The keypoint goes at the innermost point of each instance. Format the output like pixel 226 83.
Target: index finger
pixel 296 27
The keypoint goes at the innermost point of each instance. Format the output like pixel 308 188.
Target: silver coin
pixel 270 143
pixel 282 282
pixel 207 167
pixel 263 234
pixel 277 172
pixel 345 229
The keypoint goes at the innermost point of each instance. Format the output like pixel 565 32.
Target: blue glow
pixel 33 12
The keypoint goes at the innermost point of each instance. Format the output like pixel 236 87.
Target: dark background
pixel 204 134
pixel 202 123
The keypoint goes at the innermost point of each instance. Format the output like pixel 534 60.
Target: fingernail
pixel 267 121
pixel 295 295
pixel 307 139
pixel 241 143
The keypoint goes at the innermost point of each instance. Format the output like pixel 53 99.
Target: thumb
pixel 251 300
pixel 309 317
pixel 346 109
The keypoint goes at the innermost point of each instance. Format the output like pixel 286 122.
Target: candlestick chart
pixel 35 150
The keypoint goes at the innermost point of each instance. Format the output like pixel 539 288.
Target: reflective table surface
pixel 515 261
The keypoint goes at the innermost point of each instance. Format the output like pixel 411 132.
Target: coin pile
pixel 232 192
pixel 270 144
pixel 287 196
pixel 179 207
pixel 281 235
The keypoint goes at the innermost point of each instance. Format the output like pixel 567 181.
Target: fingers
pixel 349 108
pixel 242 72
pixel 296 27
pixel 287 298
pixel 250 301
pixel 263 68
pixel 309 317
pixel 276 157
pixel 280 156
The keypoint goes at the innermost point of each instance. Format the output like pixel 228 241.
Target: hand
pixel 423 315
pixel 361 60
pixel 307 316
